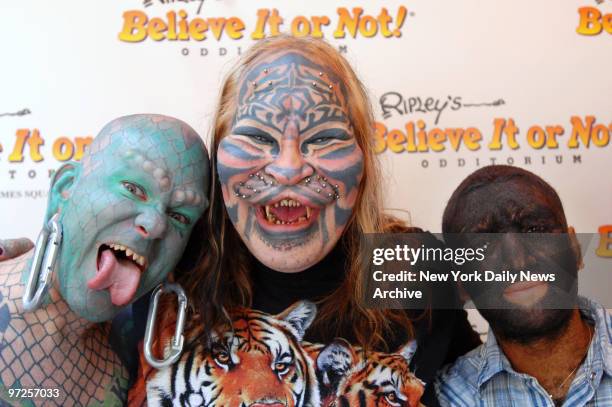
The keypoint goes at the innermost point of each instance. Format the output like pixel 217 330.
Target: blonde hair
pixel 223 279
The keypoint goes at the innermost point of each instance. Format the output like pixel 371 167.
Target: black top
pixel 441 337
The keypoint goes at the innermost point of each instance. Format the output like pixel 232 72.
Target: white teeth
pixel 129 252
pixel 308 212
pixel 268 215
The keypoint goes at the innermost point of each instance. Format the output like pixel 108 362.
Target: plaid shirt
pixel 484 376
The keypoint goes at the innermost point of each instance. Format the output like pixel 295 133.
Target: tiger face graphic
pixel 348 377
pixel 259 364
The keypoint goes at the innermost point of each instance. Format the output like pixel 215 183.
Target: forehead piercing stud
pixel 318 190
pixel 254 84
pixel 265 70
pixel 270 83
pixel 320 73
pixel 314 84
pixel 331 86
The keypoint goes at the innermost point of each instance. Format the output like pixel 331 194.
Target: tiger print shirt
pixel 272 360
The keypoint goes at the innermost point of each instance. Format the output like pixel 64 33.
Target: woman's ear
pixel 575 246
pixel 61 188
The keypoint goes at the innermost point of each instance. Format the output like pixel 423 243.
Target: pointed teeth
pixel 129 253
pixel 308 211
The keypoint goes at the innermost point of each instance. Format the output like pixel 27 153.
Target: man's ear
pixel 61 187
pixel 575 246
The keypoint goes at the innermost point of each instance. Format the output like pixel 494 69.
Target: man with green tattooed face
pixel 124 214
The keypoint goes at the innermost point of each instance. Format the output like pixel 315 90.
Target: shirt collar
pixel 494 361
pixel 600 352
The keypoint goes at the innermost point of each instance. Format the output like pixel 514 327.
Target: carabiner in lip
pixel 176 344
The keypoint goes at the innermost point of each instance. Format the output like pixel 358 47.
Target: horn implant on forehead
pixel 186 196
pixel 159 173
pixel 265 71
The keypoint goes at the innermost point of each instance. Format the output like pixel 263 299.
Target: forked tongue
pixel 120 276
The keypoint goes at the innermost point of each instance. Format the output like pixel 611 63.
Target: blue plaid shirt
pixel 484 376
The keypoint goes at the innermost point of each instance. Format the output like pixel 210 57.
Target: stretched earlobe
pixel 575 245
pixel 61 187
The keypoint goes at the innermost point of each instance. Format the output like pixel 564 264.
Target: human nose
pixel 516 254
pixel 151 223
pixel 289 167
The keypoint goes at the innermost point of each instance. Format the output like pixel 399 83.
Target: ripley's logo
pixel 593 21
pixel 179 26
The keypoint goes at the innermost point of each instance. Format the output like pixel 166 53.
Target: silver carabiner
pixel 176 345
pixel 47 247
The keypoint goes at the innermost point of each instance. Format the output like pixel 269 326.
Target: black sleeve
pixel 464 338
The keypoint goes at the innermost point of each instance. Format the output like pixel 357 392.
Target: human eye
pixel 134 189
pixel 254 134
pixel 326 136
pixel 179 217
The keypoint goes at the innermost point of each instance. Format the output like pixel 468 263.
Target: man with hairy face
pixel 126 212
pixel 536 353
pixel 290 167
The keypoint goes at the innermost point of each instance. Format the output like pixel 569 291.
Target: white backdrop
pixel 66 71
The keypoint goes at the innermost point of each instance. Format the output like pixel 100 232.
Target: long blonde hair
pixel 222 280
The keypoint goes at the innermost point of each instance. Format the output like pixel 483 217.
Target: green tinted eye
pixel 179 218
pixel 134 189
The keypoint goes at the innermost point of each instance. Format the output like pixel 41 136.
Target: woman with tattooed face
pixel 296 186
